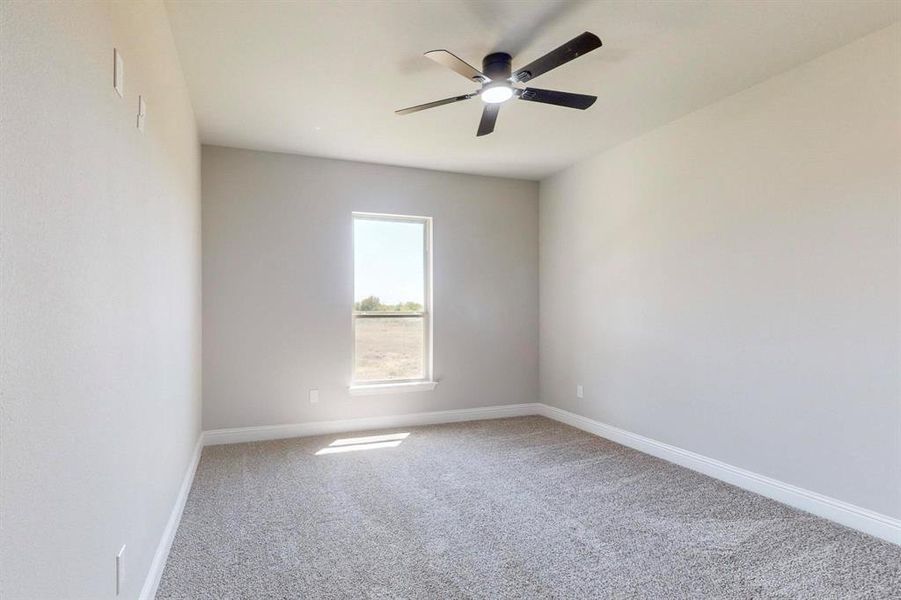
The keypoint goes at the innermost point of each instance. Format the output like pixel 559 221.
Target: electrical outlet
pixel 579 392
pixel 314 396
pixel 142 112
pixel 120 570
pixel 118 73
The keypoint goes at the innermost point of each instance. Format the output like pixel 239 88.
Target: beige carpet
pixel 511 508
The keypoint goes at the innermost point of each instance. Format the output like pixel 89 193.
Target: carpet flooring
pixel 508 508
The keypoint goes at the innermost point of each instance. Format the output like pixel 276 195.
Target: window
pixel 392 299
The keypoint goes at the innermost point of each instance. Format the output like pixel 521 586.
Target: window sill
pixel 392 388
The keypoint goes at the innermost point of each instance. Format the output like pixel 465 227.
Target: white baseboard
pixel 152 581
pixel 850 515
pixel 274 432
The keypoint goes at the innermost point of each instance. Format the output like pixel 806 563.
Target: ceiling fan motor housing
pixel 497 66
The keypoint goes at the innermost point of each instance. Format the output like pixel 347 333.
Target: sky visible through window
pixel 388 261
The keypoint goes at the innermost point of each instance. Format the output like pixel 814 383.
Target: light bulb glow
pixel 496 94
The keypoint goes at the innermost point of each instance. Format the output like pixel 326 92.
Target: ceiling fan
pixel 500 82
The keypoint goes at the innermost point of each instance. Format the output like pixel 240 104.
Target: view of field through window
pixel 389 348
pixel 389 294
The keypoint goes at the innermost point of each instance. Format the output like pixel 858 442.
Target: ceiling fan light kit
pixel 497 68
pixel 495 94
pixel 499 81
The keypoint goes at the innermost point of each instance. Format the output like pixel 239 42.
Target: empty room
pixel 426 299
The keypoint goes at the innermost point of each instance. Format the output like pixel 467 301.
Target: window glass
pixel 390 313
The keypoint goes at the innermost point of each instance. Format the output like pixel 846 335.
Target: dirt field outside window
pixel 388 348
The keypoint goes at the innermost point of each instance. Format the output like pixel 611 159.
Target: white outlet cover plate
pixel 120 570
pixel 118 73
pixel 142 112
pixel 314 396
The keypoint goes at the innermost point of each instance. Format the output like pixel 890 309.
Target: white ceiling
pixel 324 78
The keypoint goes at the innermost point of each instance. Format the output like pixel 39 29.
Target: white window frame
pixel 376 386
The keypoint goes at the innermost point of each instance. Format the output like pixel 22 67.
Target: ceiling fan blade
pixel 489 118
pixel 567 99
pixel 574 48
pixel 419 107
pixel 455 63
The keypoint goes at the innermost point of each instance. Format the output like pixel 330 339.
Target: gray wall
pixel 729 283
pixel 100 295
pixel 278 286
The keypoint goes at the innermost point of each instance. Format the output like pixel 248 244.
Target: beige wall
pixel 729 283
pixel 100 295
pixel 278 286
